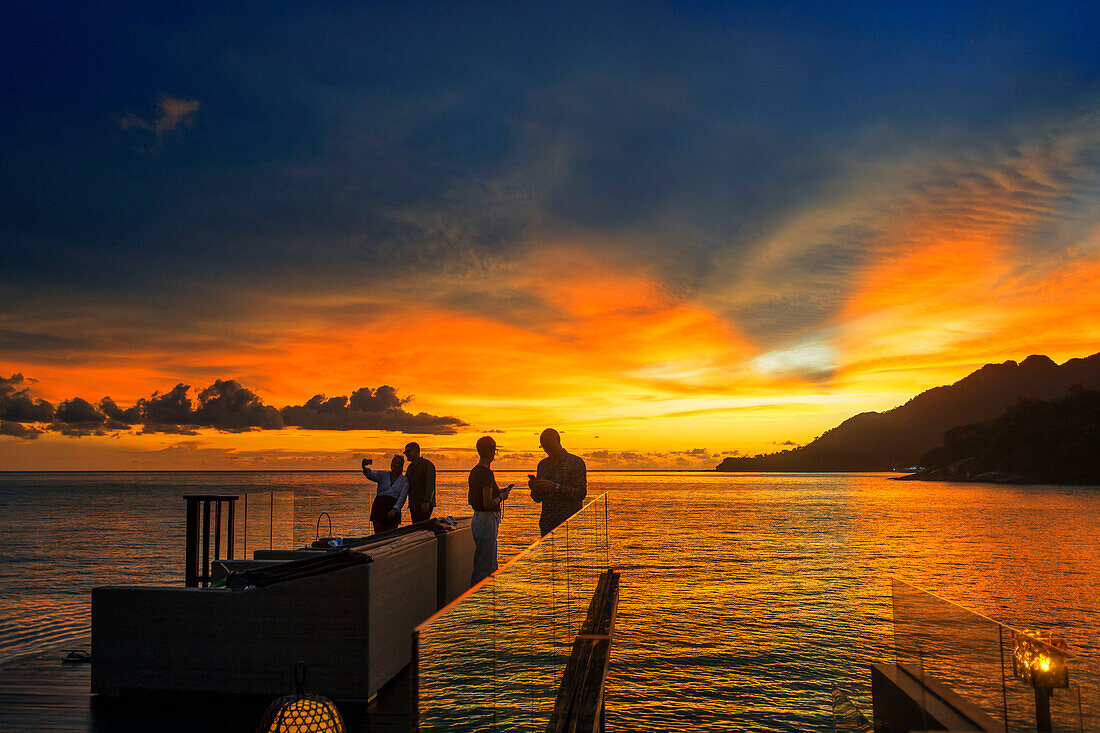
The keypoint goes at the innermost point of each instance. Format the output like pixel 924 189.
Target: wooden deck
pixel 39 693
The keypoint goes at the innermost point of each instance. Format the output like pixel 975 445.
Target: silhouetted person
pixel 421 476
pixel 393 489
pixel 560 482
pixel 486 498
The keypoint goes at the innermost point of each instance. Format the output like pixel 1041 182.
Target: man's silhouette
pixel 560 482
pixel 421 476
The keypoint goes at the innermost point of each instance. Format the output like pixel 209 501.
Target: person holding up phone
pixel 486 499
pixel 393 489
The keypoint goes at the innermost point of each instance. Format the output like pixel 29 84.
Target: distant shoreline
pixel 928 477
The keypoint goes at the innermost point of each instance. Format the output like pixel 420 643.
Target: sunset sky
pixel 673 231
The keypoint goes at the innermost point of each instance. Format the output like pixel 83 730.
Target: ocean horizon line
pixel 356 471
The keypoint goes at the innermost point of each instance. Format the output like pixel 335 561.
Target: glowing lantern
pixel 1037 659
pixel 301 713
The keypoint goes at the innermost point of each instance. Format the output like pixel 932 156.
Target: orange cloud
pixel 964 274
pixel 606 345
pixel 602 335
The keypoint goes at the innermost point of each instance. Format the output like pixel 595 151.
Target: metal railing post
pixel 230 530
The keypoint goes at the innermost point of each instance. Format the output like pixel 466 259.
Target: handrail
pixel 318 528
pixel 982 616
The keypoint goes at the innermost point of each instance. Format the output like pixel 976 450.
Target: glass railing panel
pixel 264 521
pixel 957 647
pixel 1066 707
pixel 330 514
pixel 284 519
pixel 911 607
pixel 334 512
pixel 987 663
pixel 493 660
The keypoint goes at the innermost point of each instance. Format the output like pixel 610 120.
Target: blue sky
pixel 374 126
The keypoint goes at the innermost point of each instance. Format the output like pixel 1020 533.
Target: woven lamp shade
pixel 301 713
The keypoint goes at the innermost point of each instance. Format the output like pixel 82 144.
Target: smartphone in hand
pixel 368 461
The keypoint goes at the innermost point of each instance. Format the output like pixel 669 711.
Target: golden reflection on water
pixel 745 598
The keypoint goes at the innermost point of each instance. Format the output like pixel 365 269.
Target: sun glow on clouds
pixel 966 311
pixel 972 271
pixel 813 358
pixel 616 356
pixel 961 266
pixel 596 340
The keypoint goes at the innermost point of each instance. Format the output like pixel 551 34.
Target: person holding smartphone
pixel 393 489
pixel 486 499
pixel 560 482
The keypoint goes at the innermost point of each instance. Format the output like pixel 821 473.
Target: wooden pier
pixel 40 693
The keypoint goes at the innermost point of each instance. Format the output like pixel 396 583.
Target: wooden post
pixel 1042 708
pixel 230 531
pixel 580 702
pixel 217 530
pixel 191 539
pixel 204 577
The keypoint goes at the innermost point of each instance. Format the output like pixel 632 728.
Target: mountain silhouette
pixel 1036 441
pixel 882 441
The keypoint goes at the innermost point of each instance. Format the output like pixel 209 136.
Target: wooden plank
pixel 579 704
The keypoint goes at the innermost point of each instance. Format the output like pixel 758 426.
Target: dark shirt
pixel 562 502
pixel 421 476
pixel 480 477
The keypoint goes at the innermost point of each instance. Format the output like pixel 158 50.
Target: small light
pixel 1038 661
pixel 301 713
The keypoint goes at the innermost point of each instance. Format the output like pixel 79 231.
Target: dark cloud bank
pixel 406 138
pixel 225 405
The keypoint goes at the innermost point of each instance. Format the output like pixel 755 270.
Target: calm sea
pixel 746 597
